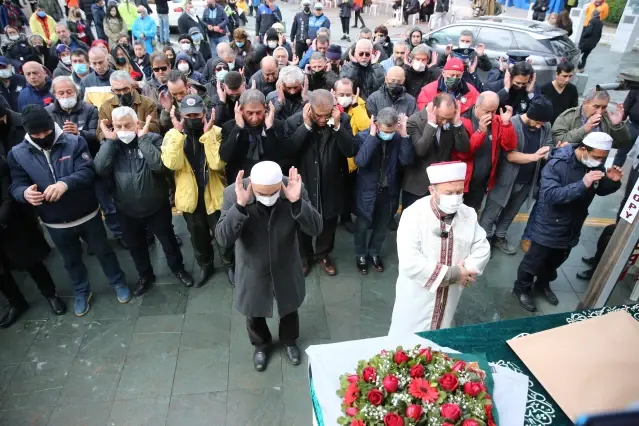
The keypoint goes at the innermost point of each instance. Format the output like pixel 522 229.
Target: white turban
pixel 598 140
pixel 266 173
pixel 450 171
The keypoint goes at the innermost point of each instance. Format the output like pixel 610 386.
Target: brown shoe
pixel 525 245
pixel 306 268
pixel 327 265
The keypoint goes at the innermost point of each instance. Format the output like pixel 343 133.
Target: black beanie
pixel 540 109
pixel 36 119
pixel 271 34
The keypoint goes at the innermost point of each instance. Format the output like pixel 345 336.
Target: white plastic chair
pixel 372 9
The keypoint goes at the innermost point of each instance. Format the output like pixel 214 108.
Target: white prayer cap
pixel 266 173
pixel 450 171
pixel 598 140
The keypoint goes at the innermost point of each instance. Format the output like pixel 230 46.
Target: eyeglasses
pixel 364 54
pixel 158 69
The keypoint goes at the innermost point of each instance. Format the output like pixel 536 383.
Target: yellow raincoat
pixel 174 158
pixel 359 121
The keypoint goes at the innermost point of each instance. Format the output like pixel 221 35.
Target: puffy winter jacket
pixel 315 23
pixel 265 18
pixel 380 99
pixel 368 78
pixel 466 94
pixel 85 116
pixel 31 95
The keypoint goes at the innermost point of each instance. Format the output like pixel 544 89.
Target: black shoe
pixel 354 26
pixel 260 358
pixel 586 275
pixel 143 285
pixel 122 243
pixel 349 226
pixel 293 353
pixel 362 264
pixel 378 264
pixel 525 300
pixel 185 278
pixel 230 274
pixel 12 315
pixel 590 261
pixel 205 273
pixel 550 296
pixel 57 305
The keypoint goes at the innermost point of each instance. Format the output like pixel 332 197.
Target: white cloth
pixel 449 171
pixel 421 303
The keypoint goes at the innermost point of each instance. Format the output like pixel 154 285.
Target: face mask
pixel 307 9
pixel 452 82
pixel 591 163
pixel 184 67
pixel 14 37
pixel 42 14
pixel 126 136
pixel 196 38
pixel 335 68
pixel 194 125
pixel 66 60
pixel 126 99
pixel 394 88
pixel 419 66
pixel 185 46
pixel 219 76
pixel 271 44
pixel 6 73
pixel 449 204
pixel 211 6
pixel 80 68
pixel 239 43
pixel 386 136
pixel 345 101
pixel 45 142
pixel 231 65
pixel 268 201
pixel 318 74
pixel 68 103
pixel 120 61
pixel 293 96
pixel 231 99
pixel 464 45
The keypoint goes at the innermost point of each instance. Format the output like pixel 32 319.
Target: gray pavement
pixel 181 356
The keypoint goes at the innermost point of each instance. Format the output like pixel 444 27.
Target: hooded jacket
pixel 84 115
pixel 197 60
pixel 421 36
pixel 193 74
pixel 416 80
pixel 591 35
pixel 466 94
pixel 147 27
pixel 202 48
pixel 62 70
pixel 31 95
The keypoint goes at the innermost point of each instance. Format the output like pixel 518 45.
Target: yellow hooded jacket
pixel 174 158
pixel 359 121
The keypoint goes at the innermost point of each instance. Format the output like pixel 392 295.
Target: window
pixel 495 38
pixel 449 35
pixel 526 42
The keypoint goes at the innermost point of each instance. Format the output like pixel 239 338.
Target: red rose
pixel 352 393
pixel 375 397
pixel 351 411
pixel 449 382
pixel 414 411
pixel 450 411
pixel 427 354
pixel 400 356
pixel 391 384
pixel 417 371
pixel 357 423
pixel 369 374
pixel 458 366
pixel 472 388
pixel 393 419
pixel 470 422
pixel 353 378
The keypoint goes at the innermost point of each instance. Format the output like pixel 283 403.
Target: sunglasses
pixel 364 54
pixel 158 69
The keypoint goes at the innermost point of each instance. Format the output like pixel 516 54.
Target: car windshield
pixel 560 45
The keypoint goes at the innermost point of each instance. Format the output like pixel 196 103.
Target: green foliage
pixel 616 10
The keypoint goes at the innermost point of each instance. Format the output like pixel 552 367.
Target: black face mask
pixel 335 68
pixel 307 9
pixel 194 125
pixel 211 6
pixel 293 96
pixel 125 99
pixel 231 99
pixel 395 89
pixel 120 61
pixel 45 142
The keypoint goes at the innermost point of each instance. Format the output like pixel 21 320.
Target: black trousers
pixel 584 57
pixel 324 242
pixel 40 274
pixel 358 15
pixel 300 48
pixel 260 335
pixel 160 223
pixel 345 26
pixel 541 262
pixel 201 226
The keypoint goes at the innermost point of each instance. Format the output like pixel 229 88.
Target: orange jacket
pixel 603 9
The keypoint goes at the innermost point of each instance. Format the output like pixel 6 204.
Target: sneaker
pixel 123 293
pixel 502 244
pixel 82 305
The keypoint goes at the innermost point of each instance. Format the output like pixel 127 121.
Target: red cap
pixel 454 64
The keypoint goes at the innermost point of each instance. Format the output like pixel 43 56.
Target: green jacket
pixel 568 128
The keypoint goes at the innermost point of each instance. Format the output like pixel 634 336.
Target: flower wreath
pixel 415 387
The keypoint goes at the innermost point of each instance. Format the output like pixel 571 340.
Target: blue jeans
pixel 164 29
pixel 214 41
pixel 105 199
pixel 382 212
pixel 67 240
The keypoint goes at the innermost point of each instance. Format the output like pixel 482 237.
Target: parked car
pixel 547 45
pixel 176 8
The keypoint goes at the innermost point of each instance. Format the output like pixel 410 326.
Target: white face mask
pixel 231 65
pixel 268 201
pixel 14 37
pixel 419 66
pixel 345 101
pixel 449 204
pixel 272 44
pixel 126 136
pixel 591 163
pixel 66 60
pixel 6 73
pixel 68 103
pixel 183 67
pixel 464 45
pixel 185 46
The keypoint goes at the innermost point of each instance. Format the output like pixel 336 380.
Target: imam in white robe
pixel 425 255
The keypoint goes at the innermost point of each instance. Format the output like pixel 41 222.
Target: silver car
pixel 547 45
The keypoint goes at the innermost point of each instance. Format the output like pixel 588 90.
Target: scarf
pixel 324 136
pixel 256 148
pixel 45 26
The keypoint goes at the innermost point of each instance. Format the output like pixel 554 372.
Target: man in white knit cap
pixel 441 249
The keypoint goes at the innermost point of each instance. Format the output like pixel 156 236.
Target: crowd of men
pixel 267 148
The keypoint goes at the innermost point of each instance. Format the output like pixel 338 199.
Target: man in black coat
pixel 225 95
pixel 361 70
pixel 264 80
pixel 322 138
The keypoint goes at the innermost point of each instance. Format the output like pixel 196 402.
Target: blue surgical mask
pixel 80 68
pixel 239 43
pixel 219 76
pixel 196 38
pixel 42 14
pixel 386 136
